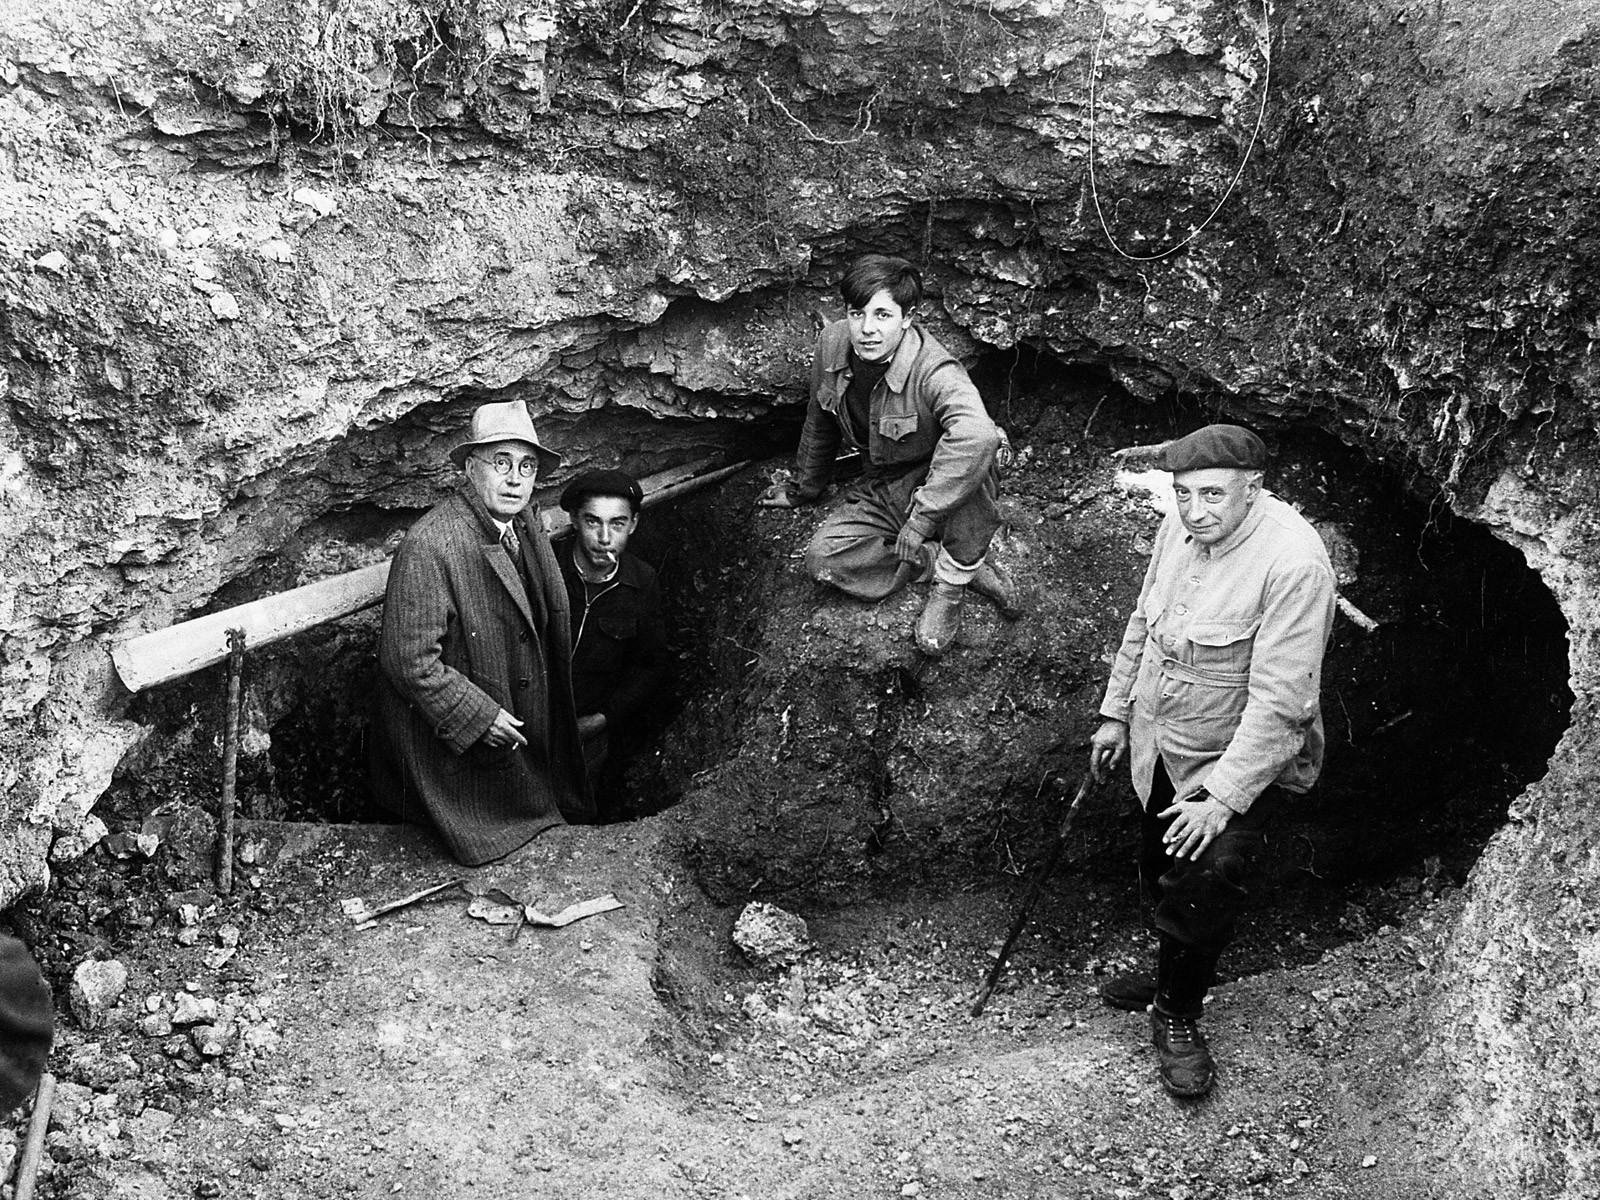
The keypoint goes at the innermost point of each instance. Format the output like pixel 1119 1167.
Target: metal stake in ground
pixel 1084 789
pixel 230 761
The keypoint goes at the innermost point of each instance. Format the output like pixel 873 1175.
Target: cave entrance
pixel 306 700
pixel 1435 721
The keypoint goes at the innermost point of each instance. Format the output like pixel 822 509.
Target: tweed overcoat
pixel 465 634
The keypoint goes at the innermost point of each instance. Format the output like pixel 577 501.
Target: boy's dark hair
pixel 872 273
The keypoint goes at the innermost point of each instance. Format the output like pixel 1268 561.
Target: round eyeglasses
pixel 502 464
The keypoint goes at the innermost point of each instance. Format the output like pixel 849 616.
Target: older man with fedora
pixel 476 731
pixel 1214 696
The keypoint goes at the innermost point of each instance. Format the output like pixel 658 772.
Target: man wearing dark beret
pixel 620 658
pixel 1214 698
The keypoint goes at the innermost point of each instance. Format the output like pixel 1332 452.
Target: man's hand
pixel 1195 823
pixel 908 546
pixel 503 732
pixel 779 495
pixel 591 726
pixel 1107 748
pixel 1004 455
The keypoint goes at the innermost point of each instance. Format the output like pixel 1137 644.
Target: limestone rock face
pixel 258 265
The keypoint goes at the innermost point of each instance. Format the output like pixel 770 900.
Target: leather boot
pixel 995 582
pixel 1187 1069
pixel 941 618
pixel 1183 976
pixel 1133 992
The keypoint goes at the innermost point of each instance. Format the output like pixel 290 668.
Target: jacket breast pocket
pixel 620 628
pixel 902 438
pixel 1224 646
pixel 899 427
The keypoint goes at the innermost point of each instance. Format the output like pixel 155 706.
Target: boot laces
pixel 1180 1033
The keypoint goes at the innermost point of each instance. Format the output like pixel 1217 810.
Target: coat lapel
pixel 500 563
pixel 495 557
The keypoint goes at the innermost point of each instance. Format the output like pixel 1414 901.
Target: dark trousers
pixel 853 548
pixel 1197 901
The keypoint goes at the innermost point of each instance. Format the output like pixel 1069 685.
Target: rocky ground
pixel 265 1045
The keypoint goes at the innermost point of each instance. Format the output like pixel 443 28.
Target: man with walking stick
pixel 1214 698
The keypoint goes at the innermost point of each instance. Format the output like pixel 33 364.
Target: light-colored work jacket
pixel 1220 668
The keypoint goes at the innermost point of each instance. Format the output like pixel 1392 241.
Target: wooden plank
pixel 189 646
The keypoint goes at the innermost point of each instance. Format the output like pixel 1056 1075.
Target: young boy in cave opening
pixel 620 660
pixel 926 505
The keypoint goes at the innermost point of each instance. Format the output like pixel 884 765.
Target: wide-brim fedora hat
pixel 504 421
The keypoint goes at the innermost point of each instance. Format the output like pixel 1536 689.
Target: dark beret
pixel 1215 446
pixel 602 483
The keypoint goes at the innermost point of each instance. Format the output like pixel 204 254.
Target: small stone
pixel 911 1189
pixel 193 1010
pixel 1302 1167
pixel 96 986
pixel 770 935
pixel 206 1189
pixel 228 936
pixel 55 262
pixel 320 202
pixel 167 240
pixel 72 846
pixel 276 250
pixel 261 1160
pixel 198 236
pixel 203 271
pixel 189 935
pixel 224 307
pixel 155 1026
pixel 1369 1161
pixel 792 1137
pixel 212 1040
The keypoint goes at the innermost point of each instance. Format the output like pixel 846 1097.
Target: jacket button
pixel 523 636
pixel 522 683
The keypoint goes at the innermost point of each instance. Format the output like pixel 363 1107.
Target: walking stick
pixel 1084 790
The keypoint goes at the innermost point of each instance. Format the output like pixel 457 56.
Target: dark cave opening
pixel 1435 721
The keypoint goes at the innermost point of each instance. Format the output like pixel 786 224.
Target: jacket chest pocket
pixel 1224 646
pixel 620 628
pixel 900 438
pixel 897 428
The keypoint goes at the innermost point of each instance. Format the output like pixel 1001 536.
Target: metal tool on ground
pixel 230 762
pixel 1035 889
pixel 33 1148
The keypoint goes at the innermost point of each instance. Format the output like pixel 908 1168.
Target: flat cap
pixel 602 483
pixel 1214 446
